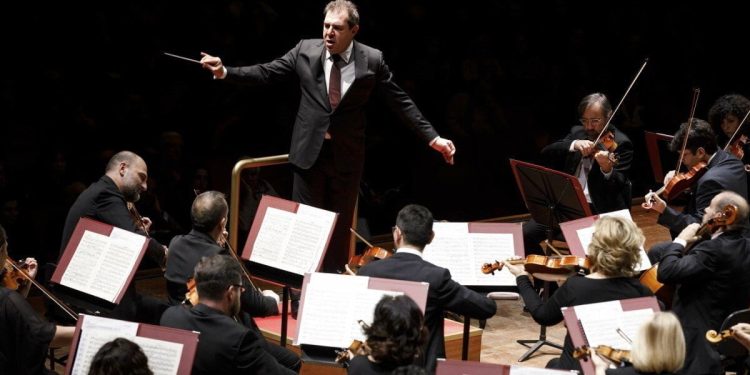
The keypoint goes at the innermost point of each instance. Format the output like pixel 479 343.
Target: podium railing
pixel 234 195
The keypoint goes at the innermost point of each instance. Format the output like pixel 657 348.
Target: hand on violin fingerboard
pixel 741 333
pixel 515 269
pixel 605 161
pixel 652 201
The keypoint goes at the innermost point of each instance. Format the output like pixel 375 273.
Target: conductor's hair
pixel 127 157
pixel 415 223
pixel 207 211
pixel 215 274
pixel 348 7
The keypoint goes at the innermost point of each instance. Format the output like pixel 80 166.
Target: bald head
pixel 208 211
pixel 130 174
pixel 724 199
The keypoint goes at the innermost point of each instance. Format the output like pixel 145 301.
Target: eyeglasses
pixel 240 287
pixel 593 121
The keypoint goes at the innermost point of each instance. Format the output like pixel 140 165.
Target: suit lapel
pixel 360 62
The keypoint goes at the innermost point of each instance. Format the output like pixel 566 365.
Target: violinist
pixel 413 231
pixel 614 253
pixel 741 333
pixel 107 201
pixel 602 168
pixel 659 348
pixel 395 338
pixel 725 117
pixel 25 336
pixel 723 172
pixel 209 217
pixel 711 277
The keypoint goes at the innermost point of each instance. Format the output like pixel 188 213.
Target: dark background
pixel 501 79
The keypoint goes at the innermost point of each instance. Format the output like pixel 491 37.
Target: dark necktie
pixel 334 83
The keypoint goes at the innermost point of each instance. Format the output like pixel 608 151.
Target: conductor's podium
pixel 271 329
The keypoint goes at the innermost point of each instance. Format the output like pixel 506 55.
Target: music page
pixel 585 235
pixel 607 324
pixel 163 356
pixel 95 332
pixel 101 265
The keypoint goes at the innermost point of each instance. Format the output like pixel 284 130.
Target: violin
pixel 344 355
pixel 736 146
pixel 543 264
pixel 372 253
pixel 617 356
pixel 716 337
pixel 665 293
pixel 191 296
pixel 137 218
pixel 681 182
pixel 12 276
pixel 17 272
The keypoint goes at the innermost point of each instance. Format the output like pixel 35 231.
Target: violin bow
pixel 360 237
pixel 736 131
pixel 696 94
pixel 632 83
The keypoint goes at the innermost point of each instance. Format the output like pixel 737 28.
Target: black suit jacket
pixel 346 124
pixel 444 294
pixel 225 346
pixel 184 254
pixel 713 281
pixel 607 194
pixel 725 172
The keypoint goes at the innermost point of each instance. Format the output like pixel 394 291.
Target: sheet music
pixel 463 253
pixel 291 241
pixel 163 356
pixel 600 322
pixel 585 235
pixel 101 264
pixel 331 318
pixel 95 332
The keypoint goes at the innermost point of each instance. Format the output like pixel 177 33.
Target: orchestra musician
pixel 107 201
pixel 724 172
pixel 226 345
pixel 614 253
pixel 659 348
pixel 209 217
pixel 712 277
pixel 25 336
pixel 605 182
pixel 725 116
pixel 395 338
pixel 413 231
pixel 741 333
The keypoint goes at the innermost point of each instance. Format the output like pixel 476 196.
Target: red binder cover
pixel 416 290
pixel 86 224
pixel 188 339
pixel 578 337
pixel 570 232
pixel 455 367
pixel 266 272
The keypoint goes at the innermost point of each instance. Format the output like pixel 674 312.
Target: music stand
pixel 552 197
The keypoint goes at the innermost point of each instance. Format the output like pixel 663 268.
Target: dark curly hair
pixel 731 104
pixel 397 333
pixel 120 357
pixel 701 136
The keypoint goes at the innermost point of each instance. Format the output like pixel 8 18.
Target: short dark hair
pixel 215 274
pixel 701 136
pixel 120 357
pixel 346 5
pixel 397 333
pixel 208 209
pixel 123 156
pixel 415 223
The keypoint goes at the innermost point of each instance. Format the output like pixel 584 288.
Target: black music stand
pixel 552 197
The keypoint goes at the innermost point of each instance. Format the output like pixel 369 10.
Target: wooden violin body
pixel 543 264
pixel 13 278
pixel 191 296
pixel 356 348
pixel 617 356
pixel 373 253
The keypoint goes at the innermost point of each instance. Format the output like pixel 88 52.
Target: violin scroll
pixel 716 337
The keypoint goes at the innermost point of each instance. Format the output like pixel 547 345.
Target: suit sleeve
pixel 675 268
pixel 548 313
pixel 399 101
pixel 253 359
pixel 677 221
pixel 462 300
pixel 279 70
pixel 561 147
pixel 256 304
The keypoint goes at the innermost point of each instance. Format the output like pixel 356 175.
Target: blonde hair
pixel 615 247
pixel 660 345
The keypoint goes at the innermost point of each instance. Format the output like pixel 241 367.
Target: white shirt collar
pixel 408 250
pixel 344 55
